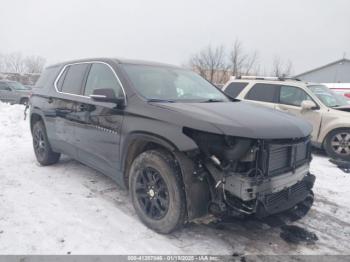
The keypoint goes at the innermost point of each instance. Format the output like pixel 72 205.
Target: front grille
pixel 287 156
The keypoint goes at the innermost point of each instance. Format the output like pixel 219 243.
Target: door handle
pixel 50 100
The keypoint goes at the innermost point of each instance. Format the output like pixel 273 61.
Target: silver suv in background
pixel 13 92
pixel 327 111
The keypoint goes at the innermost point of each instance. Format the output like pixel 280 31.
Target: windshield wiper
pixel 212 100
pixel 161 100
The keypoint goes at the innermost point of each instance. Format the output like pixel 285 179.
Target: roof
pixel 116 60
pixel 321 67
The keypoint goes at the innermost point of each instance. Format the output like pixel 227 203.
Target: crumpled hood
pixel 241 119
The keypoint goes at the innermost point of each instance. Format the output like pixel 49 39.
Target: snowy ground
pixel 70 208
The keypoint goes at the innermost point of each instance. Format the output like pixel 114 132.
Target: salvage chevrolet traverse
pixel 179 144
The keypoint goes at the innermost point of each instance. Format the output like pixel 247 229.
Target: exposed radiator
pixel 287 157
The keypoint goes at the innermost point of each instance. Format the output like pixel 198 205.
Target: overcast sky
pixel 308 32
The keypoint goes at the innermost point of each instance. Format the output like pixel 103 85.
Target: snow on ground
pixel 70 208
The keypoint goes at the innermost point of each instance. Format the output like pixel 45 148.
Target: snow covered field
pixel 70 208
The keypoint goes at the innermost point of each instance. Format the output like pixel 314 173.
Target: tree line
pixel 20 64
pixel 215 63
pixel 218 63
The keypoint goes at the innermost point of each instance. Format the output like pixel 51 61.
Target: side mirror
pixel 107 95
pixel 308 105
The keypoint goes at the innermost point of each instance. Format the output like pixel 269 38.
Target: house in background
pixel 336 72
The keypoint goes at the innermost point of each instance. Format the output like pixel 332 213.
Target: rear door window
pixel 61 80
pixel 235 88
pixel 264 93
pixel 74 78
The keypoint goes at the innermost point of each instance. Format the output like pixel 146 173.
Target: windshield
pixel 327 96
pixel 17 86
pixel 171 84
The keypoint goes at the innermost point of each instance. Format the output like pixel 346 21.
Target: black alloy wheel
pixel 157 190
pixel 41 145
pixel 152 193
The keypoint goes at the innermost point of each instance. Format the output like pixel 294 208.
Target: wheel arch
pixel 34 118
pixel 196 192
pixel 138 142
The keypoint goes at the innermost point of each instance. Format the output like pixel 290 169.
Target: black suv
pixel 179 144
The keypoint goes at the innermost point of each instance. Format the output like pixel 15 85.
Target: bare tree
pixel 210 63
pixel 252 66
pixel 241 62
pixel 34 64
pixel 14 63
pixel 280 68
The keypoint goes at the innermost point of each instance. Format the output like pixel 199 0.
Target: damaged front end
pixel 253 176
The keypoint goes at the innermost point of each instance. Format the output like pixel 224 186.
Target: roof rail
pixel 269 78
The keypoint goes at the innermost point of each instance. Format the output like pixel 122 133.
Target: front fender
pixel 142 136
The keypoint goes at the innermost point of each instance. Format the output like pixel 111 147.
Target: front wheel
pixel 42 148
pixel 156 191
pixel 337 144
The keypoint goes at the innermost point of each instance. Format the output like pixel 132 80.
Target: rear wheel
pixel 42 148
pixel 337 144
pixel 24 101
pixel 156 191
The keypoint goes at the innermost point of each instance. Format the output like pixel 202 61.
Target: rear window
pixel 263 93
pixel 235 88
pixel 73 80
pixel 60 81
pixel 47 77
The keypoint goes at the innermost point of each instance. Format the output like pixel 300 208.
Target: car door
pixel 290 99
pixel 68 87
pixel 263 94
pixel 6 93
pixel 98 130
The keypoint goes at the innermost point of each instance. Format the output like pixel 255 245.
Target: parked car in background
pixel 179 144
pixel 342 89
pixel 30 87
pixel 13 92
pixel 326 111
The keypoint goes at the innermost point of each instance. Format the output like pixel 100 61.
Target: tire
pixel 41 145
pixel 337 144
pixel 156 190
pixel 24 101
